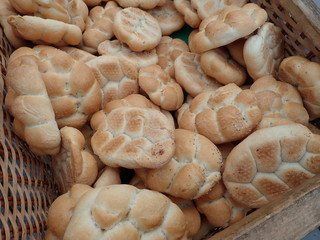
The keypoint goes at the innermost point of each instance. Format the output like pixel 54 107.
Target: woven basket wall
pixel 26 184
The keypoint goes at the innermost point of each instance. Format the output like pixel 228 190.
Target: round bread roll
pixel 190 14
pixel 264 51
pixel 193 170
pixel 137 28
pixel 304 75
pixel 170 20
pixel 219 207
pixel 168 50
pixel 107 176
pixel 277 99
pixel 125 212
pixel 73 164
pixel 133 137
pixel 99 26
pixel 206 8
pixel 160 87
pixel 117 77
pixel 218 64
pixel 225 115
pixel 270 162
pixel 144 4
pixel 61 211
pixel 228 25
pixel 191 77
pixel 120 49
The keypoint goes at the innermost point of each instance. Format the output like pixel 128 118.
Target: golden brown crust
pixel 107 176
pixel 236 50
pixel 190 14
pixel 270 162
pixel 78 54
pixel 225 115
pixel 303 74
pixel 193 170
pixel 163 90
pixel 125 212
pixel 133 137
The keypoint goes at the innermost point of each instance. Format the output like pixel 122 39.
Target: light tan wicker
pixel 27 188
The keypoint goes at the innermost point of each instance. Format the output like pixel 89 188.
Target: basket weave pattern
pixel 26 184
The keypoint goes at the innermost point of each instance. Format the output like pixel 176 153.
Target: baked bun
pixel 99 26
pixel 117 77
pixel 73 164
pixel 143 4
pixel 125 212
pixel 78 54
pixel 137 28
pixel 191 77
pixel 193 170
pixel 267 122
pixel 108 176
pixel 206 8
pixel 61 210
pixel 219 207
pixel 120 49
pixel 133 137
pixel 47 31
pixel 218 64
pixel 228 25
pixel 31 106
pixel 304 75
pixel 235 50
pixel 160 87
pixel 264 51
pixel 170 20
pixel 190 14
pixel 168 50
pixel 270 162
pixel 277 99
pixel 225 115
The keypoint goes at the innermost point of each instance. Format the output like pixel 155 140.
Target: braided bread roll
pixel 193 170
pixel 99 26
pixel 78 54
pixel 304 75
pixel 228 25
pixel 224 115
pixel 270 162
pixel 67 11
pixel 32 107
pixel 133 137
pixel 190 14
pixel 125 212
pixel 47 31
pixel 73 164
pixel 160 87
pixel 61 211
pixel 143 4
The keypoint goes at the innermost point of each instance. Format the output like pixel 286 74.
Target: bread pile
pixel 151 137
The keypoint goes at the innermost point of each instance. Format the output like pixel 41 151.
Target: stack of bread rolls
pixel 152 137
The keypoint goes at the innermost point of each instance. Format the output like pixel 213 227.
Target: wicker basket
pixel 26 183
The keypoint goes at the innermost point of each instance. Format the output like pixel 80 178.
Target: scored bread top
pixel 270 162
pixel 125 212
pixel 133 137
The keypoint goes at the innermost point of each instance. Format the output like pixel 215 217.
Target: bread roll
pixel 277 99
pixel 225 115
pixel 228 25
pixel 61 211
pixel 120 49
pixel 193 170
pixel 46 31
pixel 32 107
pixel 264 51
pixel 78 54
pixel 270 162
pixel 133 137
pixel 160 87
pixel 117 77
pixel 304 75
pixel 236 51
pixel 144 4
pixel 108 176
pixel 125 212
pixel 190 14
pixel 168 50
pixel 73 164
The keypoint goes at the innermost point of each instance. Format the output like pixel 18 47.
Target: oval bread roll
pixel 125 212
pixel 133 137
pixel 270 162
pixel 193 170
